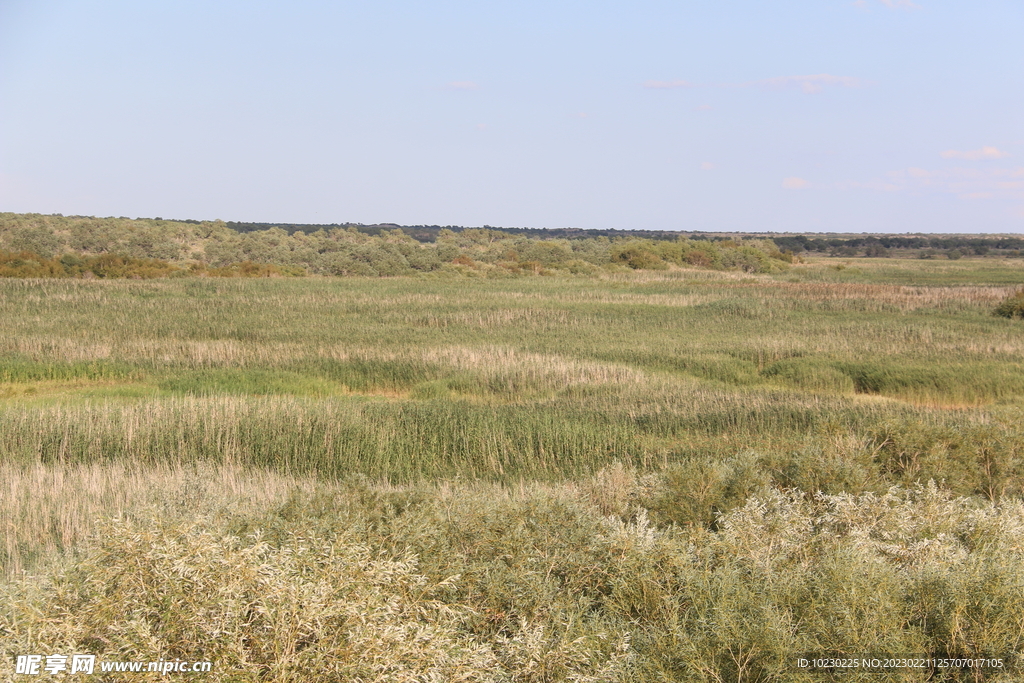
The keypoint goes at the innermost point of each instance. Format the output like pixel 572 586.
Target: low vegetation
pixel 277 578
pixel 1012 306
pixel 647 474
pixel 55 246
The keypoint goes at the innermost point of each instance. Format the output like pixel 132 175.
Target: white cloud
pixel 964 182
pixel 810 84
pixel 706 166
pixel 877 185
pixel 905 4
pixel 667 85
pixel 975 154
pixel 462 85
pixel 703 107
pixel 794 183
pixel 891 4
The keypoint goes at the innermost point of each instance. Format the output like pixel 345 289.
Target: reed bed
pixel 652 476
pixel 289 579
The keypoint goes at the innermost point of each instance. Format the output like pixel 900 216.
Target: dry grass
pixel 665 475
pixel 286 580
pixel 48 509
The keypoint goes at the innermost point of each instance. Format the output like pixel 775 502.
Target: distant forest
pixel 830 245
pixel 36 245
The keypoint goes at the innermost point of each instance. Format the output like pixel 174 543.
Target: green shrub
pixel 986 460
pixel 118 266
pixel 28 264
pixel 1012 306
pixel 637 258
pixel 696 491
pixel 156 244
pixel 463 581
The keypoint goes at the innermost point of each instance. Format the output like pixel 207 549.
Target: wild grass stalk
pixel 660 475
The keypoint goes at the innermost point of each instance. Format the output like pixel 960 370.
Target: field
pixel 658 475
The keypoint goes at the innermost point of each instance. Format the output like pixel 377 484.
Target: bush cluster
pixel 751 256
pixel 985 461
pixel 473 583
pixel 30 264
pixel 27 264
pixel 1012 306
pixel 41 244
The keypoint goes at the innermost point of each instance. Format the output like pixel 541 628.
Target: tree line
pixel 33 245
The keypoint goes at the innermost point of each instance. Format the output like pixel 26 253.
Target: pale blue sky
pixel 817 115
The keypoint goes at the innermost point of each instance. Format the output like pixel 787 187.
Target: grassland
pixel 658 475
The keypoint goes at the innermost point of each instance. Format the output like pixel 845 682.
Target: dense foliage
pixel 55 246
pixel 31 265
pixel 278 579
pixel 1012 306
pixel 824 244
pixel 924 246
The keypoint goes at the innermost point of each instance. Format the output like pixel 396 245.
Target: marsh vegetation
pixel 637 474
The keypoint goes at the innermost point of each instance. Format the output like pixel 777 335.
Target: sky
pixel 892 116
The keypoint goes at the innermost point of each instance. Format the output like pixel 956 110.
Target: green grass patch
pixel 973 384
pixel 16 369
pixel 653 475
pixel 250 382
